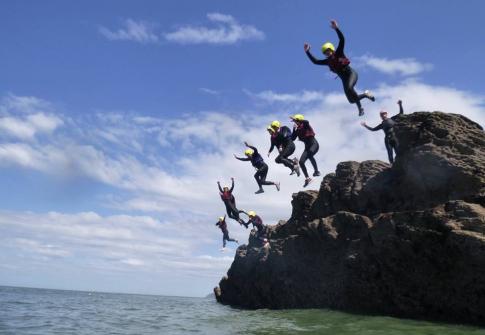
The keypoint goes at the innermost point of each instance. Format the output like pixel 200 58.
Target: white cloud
pixel 226 30
pixel 136 31
pixel 401 66
pixel 288 98
pixel 209 91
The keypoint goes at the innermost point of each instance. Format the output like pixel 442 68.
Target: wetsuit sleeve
pixel 272 145
pixel 232 188
pixel 316 61
pixel 401 110
pixel 254 149
pixel 243 159
pixel 220 188
pixel 379 127
pixel 341 43
pixel 294 134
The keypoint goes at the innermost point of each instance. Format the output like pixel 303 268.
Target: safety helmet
pixel 328 46
pixel 298 117
pixel 252 213
pixel 249 152
pixel 275 124
pixel 221 218
pixel 383 112
pixel 270 129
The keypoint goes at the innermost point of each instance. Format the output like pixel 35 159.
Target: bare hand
pixel 306 47
pixel 232 178
pixel 399 102
pixel 246 143
pixel 333 24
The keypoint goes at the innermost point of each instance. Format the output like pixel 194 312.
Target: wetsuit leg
pixel 349 79
pixel 303 158
pixel 231 211
pixel 311 153
pixel 285 153
pixel 388 143
pixel 261 176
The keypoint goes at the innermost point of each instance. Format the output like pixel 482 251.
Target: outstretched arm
pixel 251 147
pixel 314 60
pixel 379 127
pixel 241 159
pixel 401 110
pixel 220 188
pixel 341 38
pixel 232 187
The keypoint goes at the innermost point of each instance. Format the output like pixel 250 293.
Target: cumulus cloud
pixel 302 97
pixel 400 66
pixel 135 31
pixel 225 30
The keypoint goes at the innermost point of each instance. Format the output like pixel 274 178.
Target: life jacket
pixel 337 64
pixel 227 196
pixel 305 131
pixel 222 225
pixel 257 160
pixel 285 133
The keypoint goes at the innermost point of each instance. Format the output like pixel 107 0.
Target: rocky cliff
pixel 406 240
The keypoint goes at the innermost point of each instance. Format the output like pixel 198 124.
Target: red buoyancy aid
pixel 305 132
pixel 337 64
pixel 227 196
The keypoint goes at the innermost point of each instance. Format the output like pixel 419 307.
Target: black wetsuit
pixel 225 233
pixel 262 168
pixel 258 223
pixel 305 133
pixel 390 139
pixel 230 203
pixel 282 139
pixel 339 64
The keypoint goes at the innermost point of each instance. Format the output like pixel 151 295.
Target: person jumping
pixel 281 139
pixel 230 202
pixel 257 161
pixel 225 233
pixel 257 223
pixel 305 133
pixel 339 64
pixel 387 125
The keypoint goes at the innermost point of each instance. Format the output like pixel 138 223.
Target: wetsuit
pixel 339 64
pixel 390 139
pixel 225 233
pixel 282 139
pixel 230 203
pixel 262 168
pixel 305 133
pixel 258 223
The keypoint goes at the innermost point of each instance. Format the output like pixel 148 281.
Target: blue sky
pixel 118 117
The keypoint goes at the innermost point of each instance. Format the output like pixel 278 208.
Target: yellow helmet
pixel 252 213
pixel 275 124
pixel 328 46
pixel 270 129
pixel 249 152
pixel 221 218
pixel 298 117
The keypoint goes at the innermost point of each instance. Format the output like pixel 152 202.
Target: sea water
pixel 41 311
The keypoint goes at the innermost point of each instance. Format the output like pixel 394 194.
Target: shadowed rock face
pixel 406 241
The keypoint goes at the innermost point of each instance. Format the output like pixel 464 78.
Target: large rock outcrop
pixel 406 240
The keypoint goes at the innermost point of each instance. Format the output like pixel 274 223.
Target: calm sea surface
pixel 39 311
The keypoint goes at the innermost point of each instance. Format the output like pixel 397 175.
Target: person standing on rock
pixel 281 139
pixel 339 64
pixel 387 125
pixel 230 202
pixel 305 133
pixel 225 233
pixel 257 223
pixel 261 167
